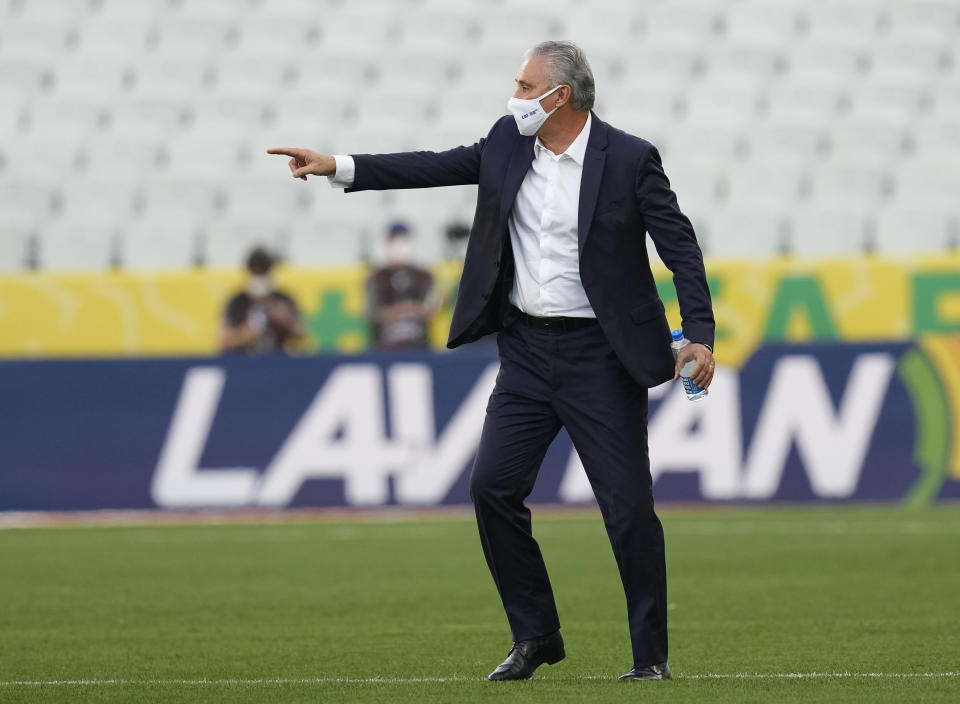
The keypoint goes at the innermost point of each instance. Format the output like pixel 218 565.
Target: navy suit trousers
pixel 573 380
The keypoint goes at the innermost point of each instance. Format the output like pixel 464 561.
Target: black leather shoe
pixel 648 672
pixel 527 655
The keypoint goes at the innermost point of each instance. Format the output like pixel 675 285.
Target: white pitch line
pixel 423 680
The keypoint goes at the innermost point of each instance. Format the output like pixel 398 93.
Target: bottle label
pixel 689 386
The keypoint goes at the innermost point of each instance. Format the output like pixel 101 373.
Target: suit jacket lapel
pixel 519 165
pixel 593 161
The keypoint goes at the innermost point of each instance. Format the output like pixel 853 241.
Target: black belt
pixel 557 324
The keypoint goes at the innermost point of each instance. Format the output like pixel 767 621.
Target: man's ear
pixel 563 95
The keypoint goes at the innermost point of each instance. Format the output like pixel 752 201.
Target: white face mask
pixel 529 114
pixel 259 285
pixel 397 250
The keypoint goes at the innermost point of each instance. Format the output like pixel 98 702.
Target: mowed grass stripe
pixel 847 604
pixel 421 680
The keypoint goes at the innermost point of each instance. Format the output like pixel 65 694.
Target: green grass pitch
pixel 863 602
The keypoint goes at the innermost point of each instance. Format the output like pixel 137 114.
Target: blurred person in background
pixel 261 319
pixel 457 235
pixel 557 262
pixel 400 296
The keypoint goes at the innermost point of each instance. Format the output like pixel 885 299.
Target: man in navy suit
pixel 557 263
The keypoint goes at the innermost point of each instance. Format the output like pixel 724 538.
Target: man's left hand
pixel 703 370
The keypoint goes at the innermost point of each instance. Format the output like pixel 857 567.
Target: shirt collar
pixel 578 148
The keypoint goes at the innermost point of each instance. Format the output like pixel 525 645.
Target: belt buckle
pixel 556 324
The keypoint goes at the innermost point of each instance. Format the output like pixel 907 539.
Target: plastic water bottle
pixel 693 391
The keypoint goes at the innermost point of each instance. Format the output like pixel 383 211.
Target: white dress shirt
pixel 544 233
pixel 543 230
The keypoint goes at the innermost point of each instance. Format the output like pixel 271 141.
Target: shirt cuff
pixel 343 177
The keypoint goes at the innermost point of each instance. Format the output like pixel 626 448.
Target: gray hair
pixel 566 64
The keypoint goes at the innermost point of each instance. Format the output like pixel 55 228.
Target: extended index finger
pixel 289 151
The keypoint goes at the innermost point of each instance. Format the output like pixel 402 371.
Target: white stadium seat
pixel 442 34
pixel 68 247
pixel 691 24
pixel 188 38
pixel 720 146
pixel 11 119
pixel 848 187
pixel 47 159
pixel 160 245
pixel 722 106
pixel 879 144
pixel 833 65
pixel 661 68
pixel 218 10
pixel 356 34
pixel 517 31
pixel 227 244
pixel 14 246
pixel 793 145
pixel 35 39
pixel 761 22
pixel 812 104
pixel 929 21
pixel 25 205
pixel 116 41
pixel 148 119
pixel 328 242
pixel 905 231
pixel 938 140
pixel 327 77
pixel 766 188
pixel 201 157
pixel 68 119
pixel 414 74
pixel 697 187
pixel 932 183
pixel 826 233
pixel 289 11
pixel 643 112
pixel 121 158
pixel 89 79
pixel 266 201
pixel 746 233
pixel 23 77
pixel 126 10
pixel 841 20
pixel 896 103
pixel 51 10
pixel 189 204
pixel 274 38
pixel 745 66
pixel 259 78
pixel 226 118
pixel 906 62
pixel 170 79
pixel 90 204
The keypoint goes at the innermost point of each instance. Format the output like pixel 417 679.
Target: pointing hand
pixel 304 162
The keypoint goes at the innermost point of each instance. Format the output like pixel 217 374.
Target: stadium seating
pixel 142 125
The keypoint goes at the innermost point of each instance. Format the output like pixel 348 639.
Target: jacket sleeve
pixel 454 167
pixel 677 246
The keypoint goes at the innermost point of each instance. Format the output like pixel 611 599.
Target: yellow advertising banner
pixel 179 313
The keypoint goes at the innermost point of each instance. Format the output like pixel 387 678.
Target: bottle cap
pixel 677 335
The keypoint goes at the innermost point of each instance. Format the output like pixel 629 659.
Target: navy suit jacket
pixel 623 194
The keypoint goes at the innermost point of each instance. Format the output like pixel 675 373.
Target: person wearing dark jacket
pixel 557 263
